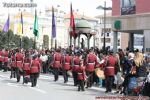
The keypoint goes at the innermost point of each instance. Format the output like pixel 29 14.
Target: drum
pixel 99 73
pixel 69 73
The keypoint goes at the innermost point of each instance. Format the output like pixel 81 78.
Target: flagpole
pixel 21 30
pixel 51 42
pixel 8 39
pixel 20 42
pixel 70 40
pixel 74 42
pixel 34 42
pixel 55 43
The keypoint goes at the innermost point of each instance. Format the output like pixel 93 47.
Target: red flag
pixel 72 24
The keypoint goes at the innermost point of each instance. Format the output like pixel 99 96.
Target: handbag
pixel 118 78
pixel 100 73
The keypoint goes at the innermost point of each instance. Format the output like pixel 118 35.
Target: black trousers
pixel 146 90
pixel 12 74
pixel 24 74
pixel 45 68
pixel 5 66
pixel 17 74
pixel 65 76
pixel 75 78
pixel 34 77
pixel 1 67
pixel 81 85
pixel 90 78
pixel 109 83
pixel 56 73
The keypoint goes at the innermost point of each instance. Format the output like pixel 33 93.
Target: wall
pixel 124 40
pixel 147 40
pixel 115 7
pixel 142 6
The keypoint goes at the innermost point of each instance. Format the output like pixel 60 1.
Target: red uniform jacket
pixel 76 63
pixel 91 62
pixel 67 62
pixel 57 60
pixel 1 56
pixel 5 56
pixel 110 66
pixel 35 66
pixel 26 64
pixel 19 59
pixel 81 73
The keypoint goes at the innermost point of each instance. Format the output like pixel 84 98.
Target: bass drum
pixel 99 73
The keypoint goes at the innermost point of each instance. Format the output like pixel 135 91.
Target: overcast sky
pixel 88 7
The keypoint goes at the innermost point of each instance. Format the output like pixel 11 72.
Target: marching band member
pixel 5 60
pixel 91 61
pixel 19 63
pixel 81 77
pixel 1 59
pixel 26 66
pixel 57 64
pixel 34 71
pixel 66 65
pixel 75 65
pixel 13 65
pixel 109 71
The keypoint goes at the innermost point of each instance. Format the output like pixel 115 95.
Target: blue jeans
pixel 100 82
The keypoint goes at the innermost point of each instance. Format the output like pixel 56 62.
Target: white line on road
pixel 12 84
pixel 2 76
pixel 39 90
pixel 33 88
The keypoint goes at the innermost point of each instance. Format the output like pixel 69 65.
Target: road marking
pixel 39 90
pixel 12 84
pixel 33 88
pixel 2 76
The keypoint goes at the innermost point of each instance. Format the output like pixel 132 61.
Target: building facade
pixel 133 17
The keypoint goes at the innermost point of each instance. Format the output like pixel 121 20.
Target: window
pixel 107 40
pixel 108 34
pixel 128 7
pixel 126 3
pixel 118 42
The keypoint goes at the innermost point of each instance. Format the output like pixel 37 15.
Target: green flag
pixel 36 25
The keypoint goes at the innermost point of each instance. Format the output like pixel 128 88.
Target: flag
pixel 6 26
pixel 20 26
pixel 53 24
pixel 72 24
pixel 35 32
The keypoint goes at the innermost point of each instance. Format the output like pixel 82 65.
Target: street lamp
pixel 104 8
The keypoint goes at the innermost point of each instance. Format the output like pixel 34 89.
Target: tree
pixel 46 41
pixel 25 42
pixel 11 40
pixel 6 39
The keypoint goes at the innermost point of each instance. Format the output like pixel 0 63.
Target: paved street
pixel 46 89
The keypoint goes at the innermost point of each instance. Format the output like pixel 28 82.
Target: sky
pixel 86 7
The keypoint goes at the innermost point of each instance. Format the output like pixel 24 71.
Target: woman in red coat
pixel 34 70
